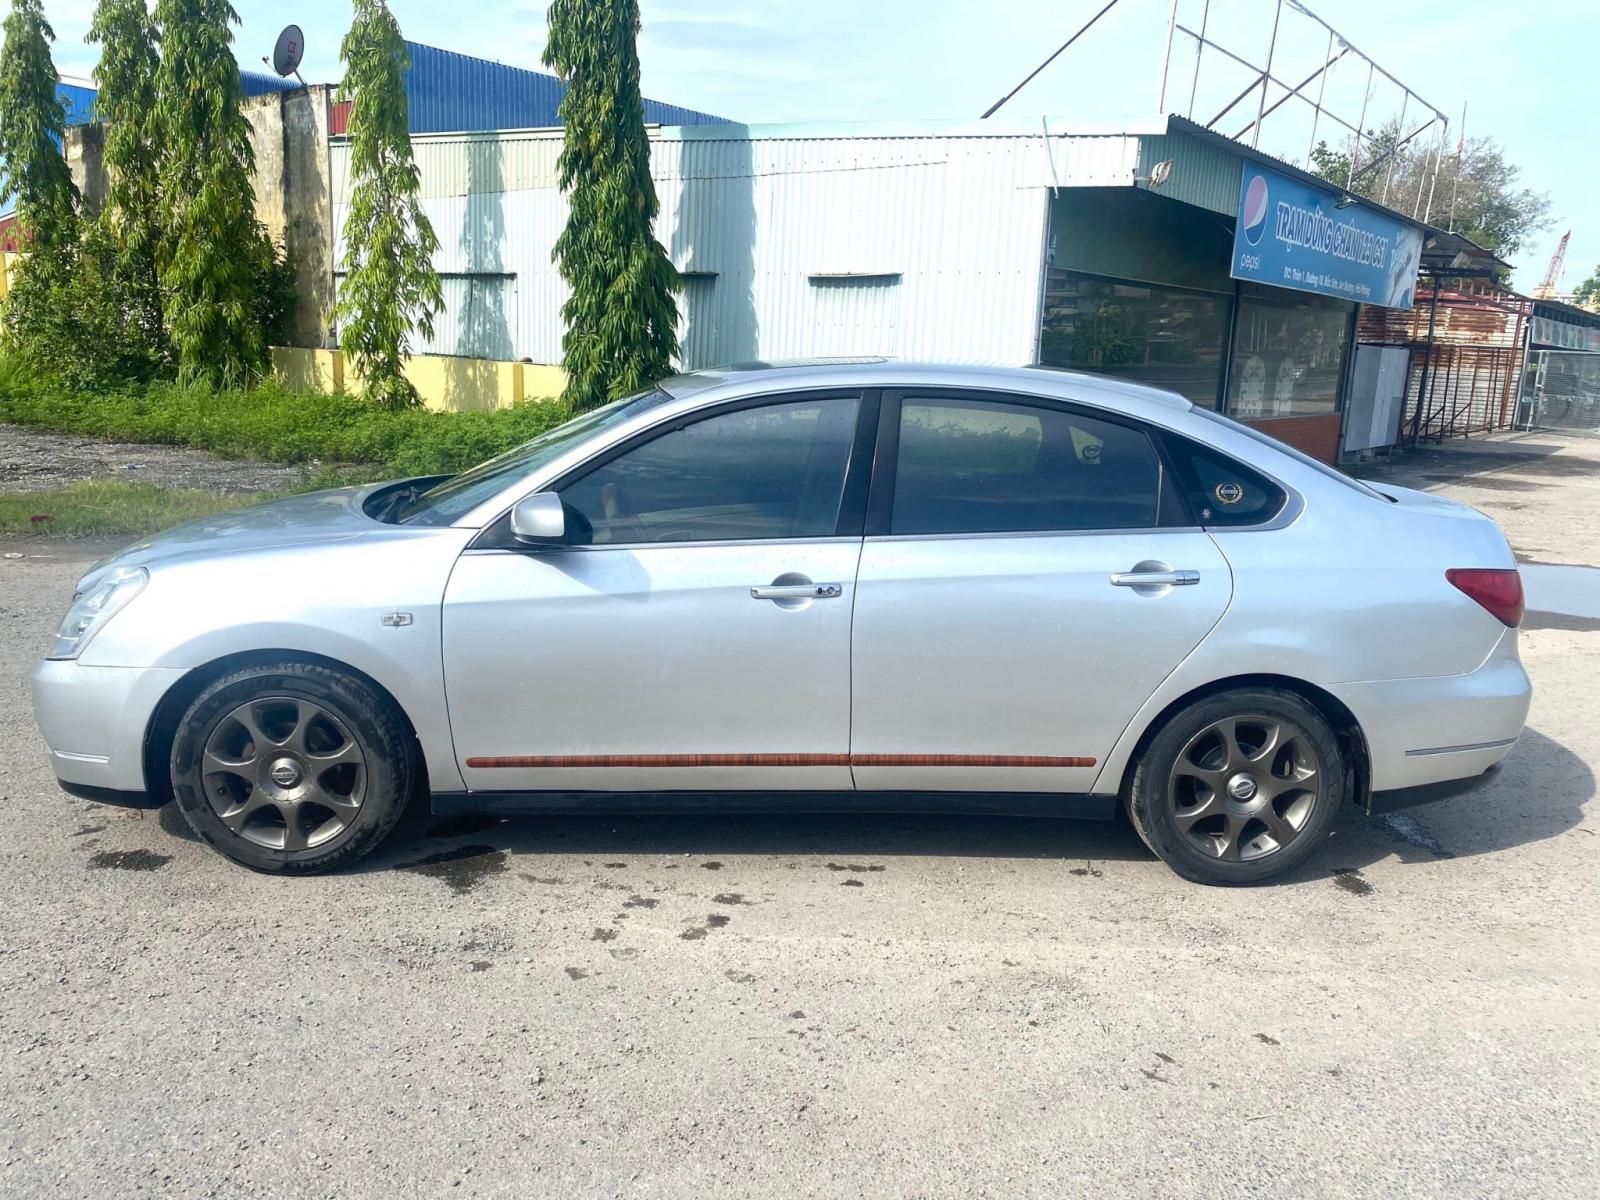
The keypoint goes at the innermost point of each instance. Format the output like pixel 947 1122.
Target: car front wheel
pixel 1239 787
pixel 291 767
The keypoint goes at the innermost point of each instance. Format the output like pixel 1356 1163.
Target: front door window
pixel 755 473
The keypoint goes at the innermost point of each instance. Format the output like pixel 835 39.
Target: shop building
pixel 1163 254
pixel 1228 276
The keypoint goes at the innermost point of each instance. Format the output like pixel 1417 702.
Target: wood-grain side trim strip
pixel 557 761
pixel 967 760
pixel 656 761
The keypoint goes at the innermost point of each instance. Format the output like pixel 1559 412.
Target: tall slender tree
pixel 622 317
pixel 215 252
pixel 31 122
pixel 390 285
pixel 127 225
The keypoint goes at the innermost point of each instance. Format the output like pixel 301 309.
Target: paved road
pixel 808 1006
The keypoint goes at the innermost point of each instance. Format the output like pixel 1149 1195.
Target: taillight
pixel 1499 591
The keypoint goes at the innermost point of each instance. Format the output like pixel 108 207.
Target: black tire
pixel 340 811
pixel 1279 826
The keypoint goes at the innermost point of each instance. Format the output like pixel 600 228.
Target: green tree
pixel 622 318
pixel 214 254
pixel 1490 206
pixel 1587 293
pixel 126 236
pixel 31 122
pixel 390 285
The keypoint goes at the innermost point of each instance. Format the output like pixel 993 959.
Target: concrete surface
pixel 820 1006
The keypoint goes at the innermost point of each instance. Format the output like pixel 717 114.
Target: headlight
pixel 94 606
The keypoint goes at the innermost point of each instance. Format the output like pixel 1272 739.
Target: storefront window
pixel 1288 352
pixel 1165 337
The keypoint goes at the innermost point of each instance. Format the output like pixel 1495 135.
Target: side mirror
pixel 539 520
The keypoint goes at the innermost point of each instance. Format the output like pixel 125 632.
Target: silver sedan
pixel 846 586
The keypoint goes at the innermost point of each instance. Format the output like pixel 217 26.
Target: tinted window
pixel 771 472
pixel 1305 460
pixel 456 497
pixel 968 466
pixel 1221 490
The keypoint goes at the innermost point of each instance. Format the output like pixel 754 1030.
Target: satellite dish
pixel 291 48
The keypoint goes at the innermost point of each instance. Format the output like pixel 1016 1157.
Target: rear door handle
pixel 1137 579
pixel 797 591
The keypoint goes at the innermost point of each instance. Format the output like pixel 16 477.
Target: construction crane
pixel 1547 287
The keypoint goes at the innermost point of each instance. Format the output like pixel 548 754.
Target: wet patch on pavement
pixel 461 869
pixel 1409 830
pixel 1352 881
pixel 129 860
pixel 713 921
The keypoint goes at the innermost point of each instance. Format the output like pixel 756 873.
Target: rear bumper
pixel 1445 730
pixel 1395 799
pixel 94 720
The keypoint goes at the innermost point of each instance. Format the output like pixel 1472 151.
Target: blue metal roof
pixel 78 100
pixel 258 84
pixel 454 93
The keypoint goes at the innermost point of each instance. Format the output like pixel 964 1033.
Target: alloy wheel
pixel 285 773
pixel 1245 787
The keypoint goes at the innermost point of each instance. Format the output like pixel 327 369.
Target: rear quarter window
pixel 1223 492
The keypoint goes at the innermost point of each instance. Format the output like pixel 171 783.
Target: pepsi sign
pixel 1292 234
pixel 1253 209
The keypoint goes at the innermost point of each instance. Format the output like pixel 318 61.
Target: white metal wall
pixel 917 245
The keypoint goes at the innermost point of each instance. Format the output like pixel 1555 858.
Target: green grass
pixel 108 507
pixel 269 423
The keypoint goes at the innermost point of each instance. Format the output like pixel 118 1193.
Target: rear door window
pixel 969 465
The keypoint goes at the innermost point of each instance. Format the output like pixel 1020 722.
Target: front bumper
pixel 94 721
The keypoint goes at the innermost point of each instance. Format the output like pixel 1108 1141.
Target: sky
pixel 1524 72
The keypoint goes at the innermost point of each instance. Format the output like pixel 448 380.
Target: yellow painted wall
pixel 445 384
pixel 6 261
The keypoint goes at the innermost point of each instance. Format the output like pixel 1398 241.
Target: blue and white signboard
pixel 1293 235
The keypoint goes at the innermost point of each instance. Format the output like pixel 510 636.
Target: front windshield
pixel 459 495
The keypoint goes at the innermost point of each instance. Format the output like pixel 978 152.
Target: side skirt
pixel 1078 806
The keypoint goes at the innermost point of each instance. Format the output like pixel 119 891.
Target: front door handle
pixel 797 591
pixel 1140 579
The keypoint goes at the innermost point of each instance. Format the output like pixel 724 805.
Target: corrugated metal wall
pixel 923 246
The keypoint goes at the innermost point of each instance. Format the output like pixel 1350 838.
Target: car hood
pixel 300 520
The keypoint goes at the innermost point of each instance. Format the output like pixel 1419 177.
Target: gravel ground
pixel 33 460
pixel 819 1006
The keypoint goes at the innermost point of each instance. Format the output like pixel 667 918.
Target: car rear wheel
pixel 291 767
pixel 1239 787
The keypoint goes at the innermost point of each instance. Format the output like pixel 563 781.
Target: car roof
pixel 762 378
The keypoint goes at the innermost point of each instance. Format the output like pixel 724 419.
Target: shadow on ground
pixel 1539 793
pixel 1461 460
